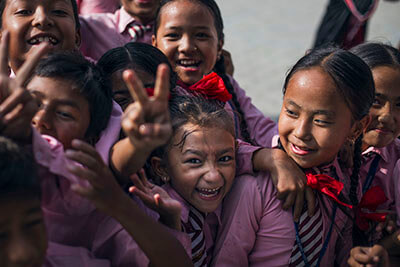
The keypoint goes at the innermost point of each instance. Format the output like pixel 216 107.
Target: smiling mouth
pixel 188 63
pixel 302 151
pixel 208 194
pixel 38 40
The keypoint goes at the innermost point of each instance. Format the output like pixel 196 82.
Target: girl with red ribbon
pixel 327 95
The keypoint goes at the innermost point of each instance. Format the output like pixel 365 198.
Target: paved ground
pixel 266 37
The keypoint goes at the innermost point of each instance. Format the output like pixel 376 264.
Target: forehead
pixel 314 89
pixel 119 84
pixel 186 13
pixel 210 139
pixel 56 88
pixel 387 80
pixel 38 2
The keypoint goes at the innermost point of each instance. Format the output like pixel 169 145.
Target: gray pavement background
pixel 266 37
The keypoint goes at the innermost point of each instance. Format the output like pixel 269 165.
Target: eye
pixel 172 36
pixel 64 115
pixel 60 12
pixel 226 158
pixel 193 161
pixel 23 12
pixel 291 113
pixel 322 122
pixel 376 103
pixel 202 35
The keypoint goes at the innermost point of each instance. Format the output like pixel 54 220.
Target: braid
pixel 220 70
pixel 356 168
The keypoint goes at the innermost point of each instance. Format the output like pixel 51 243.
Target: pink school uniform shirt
pixel 102 32
pixel 211 223
pixel 384 172
pixel 97 6
pixel 396 182
pixel 255 231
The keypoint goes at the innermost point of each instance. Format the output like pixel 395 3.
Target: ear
pixel 154 40
pixel 359 127
pixel 78 38
pixel 159 169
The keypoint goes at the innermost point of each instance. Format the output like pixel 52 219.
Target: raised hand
pixel 98 183
pixel 157 199
pixel 17 106
pixel 146 121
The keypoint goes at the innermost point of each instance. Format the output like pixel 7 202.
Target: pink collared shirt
pixel 255 231
pixel 97 6
pixel 384 173
pixel 102 32
pixel 211 223
pixel 396 182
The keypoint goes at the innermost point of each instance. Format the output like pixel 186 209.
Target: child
pixel 144 59
pixel 132 22
pixel 311 133
pixel 56 23
pixel 380 146
pixel 24 240
pixel 194 49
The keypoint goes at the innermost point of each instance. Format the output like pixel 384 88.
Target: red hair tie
pixel 211 86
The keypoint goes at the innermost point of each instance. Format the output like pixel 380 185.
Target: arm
pixel 145 122
pixel 157 243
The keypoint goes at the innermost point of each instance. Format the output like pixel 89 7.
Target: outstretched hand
pixel 98 184
pixel 157 199
pixel 146 122
pixel 17 106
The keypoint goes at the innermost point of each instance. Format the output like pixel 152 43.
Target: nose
pixel 41 18
pixel 187 44
pixel 213 175
pixel 21 251
pixel 302 129
pixel 42 120
pixel 386 116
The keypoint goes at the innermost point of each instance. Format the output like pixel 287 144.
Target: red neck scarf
pixel 326 185
pixel 211 86
pixel 370 201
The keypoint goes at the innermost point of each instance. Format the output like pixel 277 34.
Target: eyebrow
pixel 192 151
pixel 226 150
pixel 291 102
pixel 316 112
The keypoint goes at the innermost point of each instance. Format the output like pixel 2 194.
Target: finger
pixel 83 158
pixel 158 200
pixel 138 183
pixel 161 90
pixel 83 173
pixel 148 199
pixel 135 87
pixel 13 115
pixel 82 191
pixel 18 97
pixel 289 201
pixel 353 263
pixel 87 149
pixel 391 226
pixel 25 71
pixel 5 41
pixel 362 258
pixel 155 130
pixel 310 198
pixel 143 178
pixel 298 206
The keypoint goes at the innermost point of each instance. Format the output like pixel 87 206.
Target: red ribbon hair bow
pixel 211 86
pixel 326 185
pixel 370 201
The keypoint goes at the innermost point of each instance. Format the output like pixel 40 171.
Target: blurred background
pixel 267 37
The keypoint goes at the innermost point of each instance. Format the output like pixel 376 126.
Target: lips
pixel 40 38
pixel 300 150
pixel 209 193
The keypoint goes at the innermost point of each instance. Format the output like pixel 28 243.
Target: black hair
pixel 353 79
pixel 198 111
pixel 219 67
pixel 85 77
pixel 18 171
pixel 378 54
pixel 74 9
pixel 136 56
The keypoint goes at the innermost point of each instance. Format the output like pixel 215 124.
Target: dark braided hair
pixel 219 67
pixel 354 82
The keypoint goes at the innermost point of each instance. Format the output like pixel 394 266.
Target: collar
pixel 383 152
pixel 125 19
pixel 186 206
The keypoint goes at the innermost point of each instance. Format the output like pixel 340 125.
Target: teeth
pixel 209 190
pixel 39 40
pixel 188 62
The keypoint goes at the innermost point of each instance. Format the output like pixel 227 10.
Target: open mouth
pixel 188 63
pixel 208 194
pixel 301 150
pixel 45 38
